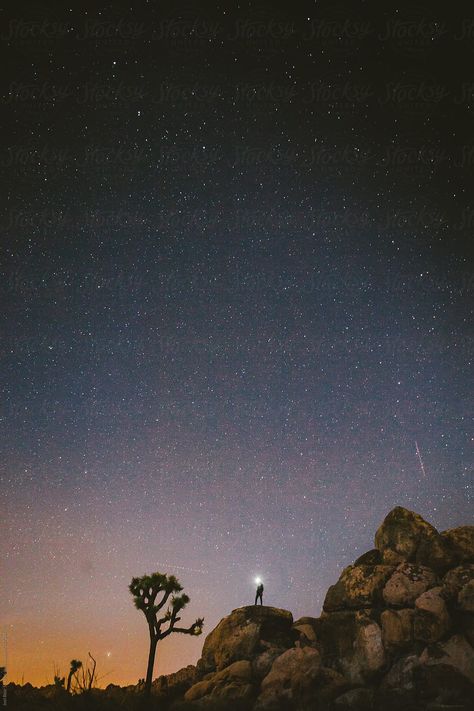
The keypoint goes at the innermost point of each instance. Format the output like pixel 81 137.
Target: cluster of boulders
pixel 396 633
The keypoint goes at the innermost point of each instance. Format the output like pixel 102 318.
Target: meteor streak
pixel 418 453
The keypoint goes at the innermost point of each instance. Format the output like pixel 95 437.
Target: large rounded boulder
pixel 407 583
pixel 406 536
pixel 432 620
pixel 358 587
pixel 230 684
pixel 291 678
pixel 246 633
pixel 461 543
pixel 397 628
pixel 448 672
pixel 454 581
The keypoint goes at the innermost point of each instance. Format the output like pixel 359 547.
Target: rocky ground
pixel 396 634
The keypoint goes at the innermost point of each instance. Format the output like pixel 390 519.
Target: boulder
pixel 262 664
pixel 232 683
pixel 307 635
pixel 176 683
pixel 351 643
pixel 432 620
pixel 337 633
pixel 331 684
pixel 401 535
pixel 455 580
pixel 466 597
pixel 292 677
pixel 359 586
pixel 435 553
pixel 307 628
pixel 244 634
pixel 407 583
pixel 372 557
pixel 448 670
pixel 397 628
pixel 461 543
pixel 465 623
pixel 398 689
pixel 455 652
pixel 369 651
pixel 361 699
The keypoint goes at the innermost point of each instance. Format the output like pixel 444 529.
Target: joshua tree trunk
pixel 151 663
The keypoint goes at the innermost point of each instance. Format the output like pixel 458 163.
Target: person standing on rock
pixel 259 593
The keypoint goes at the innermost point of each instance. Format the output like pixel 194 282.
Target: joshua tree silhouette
pixel 75 666
pixel 145 591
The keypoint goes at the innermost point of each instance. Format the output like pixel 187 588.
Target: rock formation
pixel 395 634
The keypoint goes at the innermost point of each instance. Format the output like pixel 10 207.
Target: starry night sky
pixel 236 290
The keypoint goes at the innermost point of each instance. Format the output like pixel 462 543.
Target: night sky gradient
pixel 236 290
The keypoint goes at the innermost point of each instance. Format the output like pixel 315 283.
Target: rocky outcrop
pixel 396 632
pixel 245 633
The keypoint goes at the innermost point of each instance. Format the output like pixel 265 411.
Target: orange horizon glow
pixel 120 659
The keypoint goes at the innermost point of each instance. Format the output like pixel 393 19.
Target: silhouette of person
pixel 259 594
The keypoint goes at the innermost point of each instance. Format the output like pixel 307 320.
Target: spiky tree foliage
pixel 157 593
pixel 75 666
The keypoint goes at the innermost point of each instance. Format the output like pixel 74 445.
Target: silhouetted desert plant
pixel 145 591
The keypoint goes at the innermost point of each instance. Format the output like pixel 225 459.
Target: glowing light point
pixel 258 581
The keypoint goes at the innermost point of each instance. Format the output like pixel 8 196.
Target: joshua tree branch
pixel 163 600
